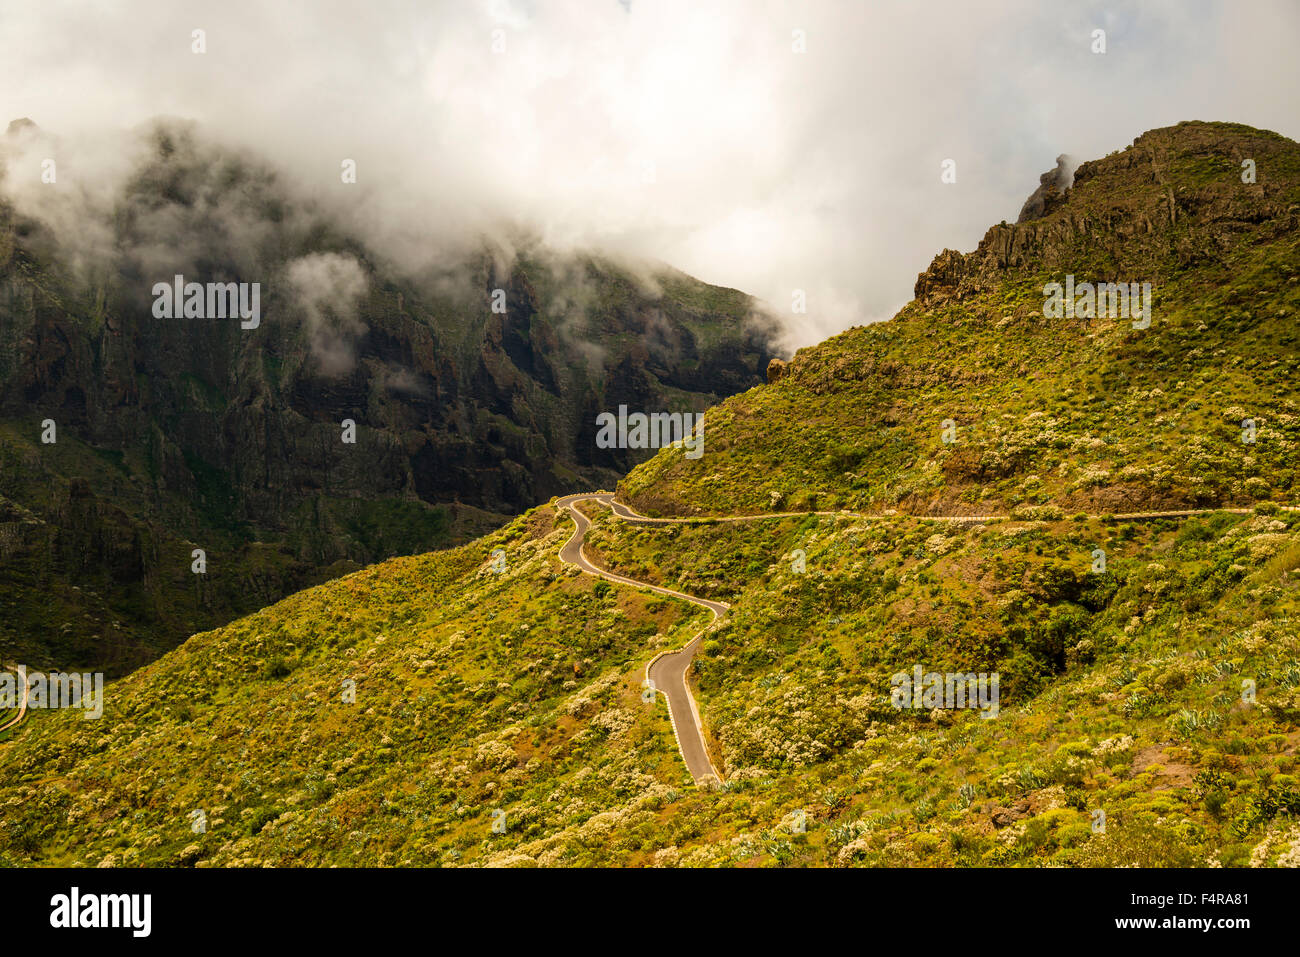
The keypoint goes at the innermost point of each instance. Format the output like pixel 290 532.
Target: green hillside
pixel 1094 415
pixel 1149 667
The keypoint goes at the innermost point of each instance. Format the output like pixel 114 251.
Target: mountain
pixel 1072 414
pixel 1149 708
pixel 473 384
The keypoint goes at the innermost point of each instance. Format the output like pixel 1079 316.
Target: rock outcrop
pixel 1122 210
pixel 1051 190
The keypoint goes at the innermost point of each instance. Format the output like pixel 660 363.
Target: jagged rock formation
pixel 1051 190
pixel 1088 414
pixel 1130 229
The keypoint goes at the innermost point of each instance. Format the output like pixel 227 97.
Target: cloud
pixel 684 131
pixel 327 287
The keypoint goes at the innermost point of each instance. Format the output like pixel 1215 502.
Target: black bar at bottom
pixel 340 906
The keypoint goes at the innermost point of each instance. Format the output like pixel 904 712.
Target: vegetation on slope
pixel 1085 415
pixel 1159 688
pixel 181 433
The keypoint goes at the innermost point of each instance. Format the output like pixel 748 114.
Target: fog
pixel 686 131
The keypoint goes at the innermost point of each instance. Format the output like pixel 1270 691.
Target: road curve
pixel 22 705
pixel 666 674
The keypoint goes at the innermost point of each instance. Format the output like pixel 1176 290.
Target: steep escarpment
pixel 371 410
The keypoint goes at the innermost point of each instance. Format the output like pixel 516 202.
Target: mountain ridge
pixel 958 344
pixel 1147 668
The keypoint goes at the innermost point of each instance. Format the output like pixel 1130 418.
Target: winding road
pixel 666 673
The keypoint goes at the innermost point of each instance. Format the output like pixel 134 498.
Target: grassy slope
pixel 1097 416
pixel 1121 690
pixel 1148 656
pixel 474 691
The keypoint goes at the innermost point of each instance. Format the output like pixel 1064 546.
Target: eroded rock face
pixel 1051 190
pixel 219 435
pixel 775 370
pixel 1122 209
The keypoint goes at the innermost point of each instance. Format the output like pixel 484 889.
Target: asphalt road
pixel 667 672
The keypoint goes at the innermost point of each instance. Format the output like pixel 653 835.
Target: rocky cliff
pixel 1174 200
pixel 473 386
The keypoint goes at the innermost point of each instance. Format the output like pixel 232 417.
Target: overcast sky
pixel 688 131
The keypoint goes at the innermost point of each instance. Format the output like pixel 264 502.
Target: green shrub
pixel 275 667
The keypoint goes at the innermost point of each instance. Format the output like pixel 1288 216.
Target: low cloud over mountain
pixel 694 134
